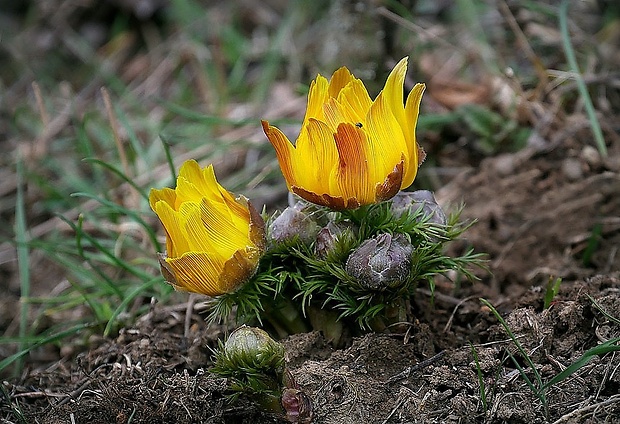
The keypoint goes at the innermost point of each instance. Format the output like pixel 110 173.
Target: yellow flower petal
pixel 195 233
pixel 284 152
pixel 416 154
pixel 197 272
pixel 393 92
pixel 176 242
pixel 339 80
pixel 392 183
pixel 335 114
pixel 355 99
pixel 257 226
pixel 238 269
pixel 166 195
pixel 317 96
pixel 223 235
pixel 202 273
pixel 351 178
pixel 315 156
pixel 386 140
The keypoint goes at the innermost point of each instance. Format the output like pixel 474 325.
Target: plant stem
pixel 284 317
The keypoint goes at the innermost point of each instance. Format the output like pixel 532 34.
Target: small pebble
pixel 144 344
pixel 571 168
pixel 505 164
pixel 591 155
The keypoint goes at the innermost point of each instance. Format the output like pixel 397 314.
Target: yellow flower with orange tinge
pixel 351 150
pixel 214 241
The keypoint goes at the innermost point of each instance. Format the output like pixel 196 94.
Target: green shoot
pixel 14 406
pixel 553 288
pixel 594 242
pixel 483 394
pixel 603 311
pixel 43 340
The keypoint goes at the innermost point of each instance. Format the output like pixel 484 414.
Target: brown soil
pixel 535 220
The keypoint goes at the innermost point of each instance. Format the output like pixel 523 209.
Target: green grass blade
pixel 110 255
pixel 483 394
pixel 23 259
pixel 603 311
pixel 594 242
pixel 131 133
pixel 80 246
pixel 14 409
pixel 128 298
pixel 553 288
pixel 581 85
pixel 42 342
pixel 120 173
pixel 123 211
pixel 602 349
pixel 537 390
pixel 169 159
pixel 528 381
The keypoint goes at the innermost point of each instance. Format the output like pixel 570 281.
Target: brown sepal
pixel 236 272
pixel 257 228
pixel 166 270
pixel 421 154
pixel 391 184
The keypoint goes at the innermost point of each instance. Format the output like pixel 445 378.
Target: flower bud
pixel 294 223
pixel 297 405
pixel 329 236
pixel 419 200
pixel 255 364
pixel 382 262
pixel 250 350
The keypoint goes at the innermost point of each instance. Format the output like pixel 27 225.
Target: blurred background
pixel 102 100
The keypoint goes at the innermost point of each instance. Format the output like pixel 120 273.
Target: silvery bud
pixel 294 222
pixel 329 235
pixel 412 202
pixel 382 262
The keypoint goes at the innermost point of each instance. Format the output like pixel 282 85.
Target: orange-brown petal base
pixel 335 203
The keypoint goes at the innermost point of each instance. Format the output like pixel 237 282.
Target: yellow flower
pixel 351 150
pixel 213 241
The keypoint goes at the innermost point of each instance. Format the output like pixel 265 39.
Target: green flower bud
pixel 294 223
pixel 255 365
pixel 382 262
pixel 419 200
pixel 328 237
pixel 253 359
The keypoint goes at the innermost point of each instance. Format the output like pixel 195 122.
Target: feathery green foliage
pixel 293 278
